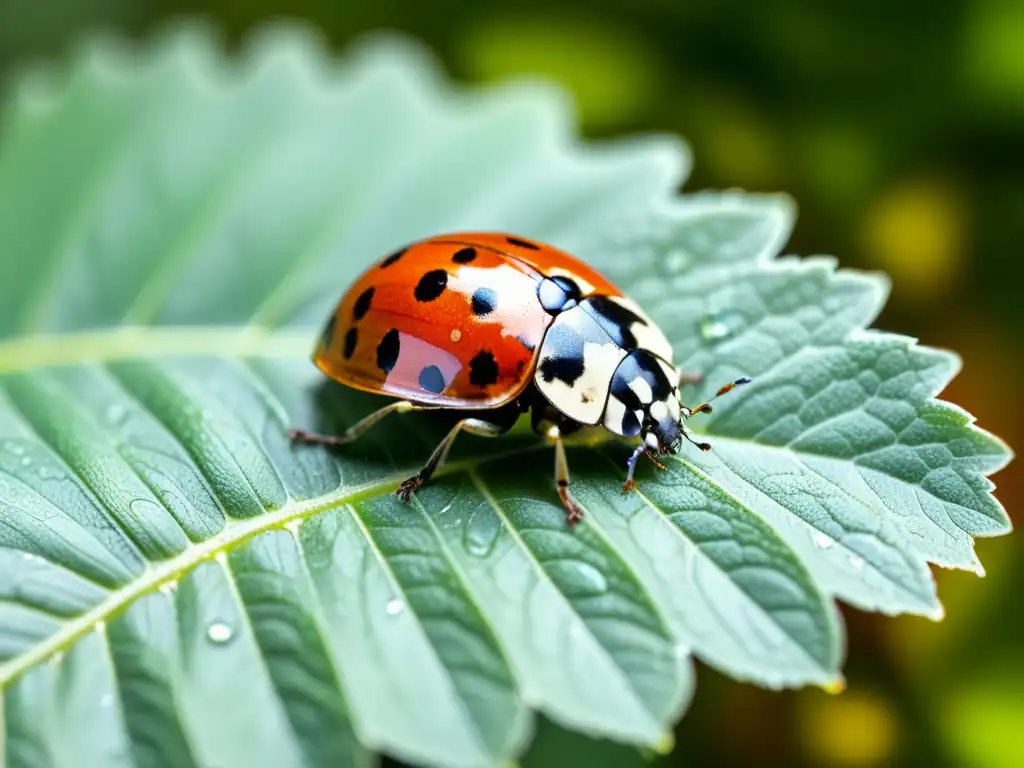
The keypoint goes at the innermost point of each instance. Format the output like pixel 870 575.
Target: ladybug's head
pixel 662 429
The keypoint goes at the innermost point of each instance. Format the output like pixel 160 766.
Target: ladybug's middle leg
pixel 573 513
pixel 474 426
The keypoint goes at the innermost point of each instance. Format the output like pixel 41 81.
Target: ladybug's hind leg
pixel 474 426
pixel 350 434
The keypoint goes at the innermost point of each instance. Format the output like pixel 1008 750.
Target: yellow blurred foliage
pixel 856 729
pixel 915 231
pixel 734 141
pixel 611 74
pixel 983 724
pixel 993 53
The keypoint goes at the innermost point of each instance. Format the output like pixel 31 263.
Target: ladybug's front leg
pixel 630 483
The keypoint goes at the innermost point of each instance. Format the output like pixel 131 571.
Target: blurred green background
pixel 899 129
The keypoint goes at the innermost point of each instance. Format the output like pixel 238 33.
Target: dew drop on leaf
pixel 394 607
pixel 676 262
pixel 822 541
pixel 480 534
pixel 26 461
pixel 856 562
pixel 586 579
pixel 115 415
pixel 219 633
pixel 719 326
pixel 16 448
pixel 107 700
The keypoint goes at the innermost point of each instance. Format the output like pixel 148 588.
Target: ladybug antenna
pixel 706 407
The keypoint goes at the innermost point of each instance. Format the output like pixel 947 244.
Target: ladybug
pixel 494 326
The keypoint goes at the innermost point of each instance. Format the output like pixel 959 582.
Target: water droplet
pixel 676 262
pixel 16 448
pixel 107 700
pixel 719 326
pixel 481 533
pixel 26 461
pixel 168 587
pixel 218 632
pixel 587 579
pixel 681 651
pixel 822 541
pixel 856 562
pixel 394 607
pixel 115 415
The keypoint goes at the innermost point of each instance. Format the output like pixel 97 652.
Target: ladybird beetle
pixel 495 325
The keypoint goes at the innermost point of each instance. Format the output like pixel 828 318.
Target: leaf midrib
pixel 234 533
pixel 25 353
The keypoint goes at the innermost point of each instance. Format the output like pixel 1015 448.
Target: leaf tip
pixel 665 744
pixel 835 686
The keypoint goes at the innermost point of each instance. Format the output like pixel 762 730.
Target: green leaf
pixel 181 586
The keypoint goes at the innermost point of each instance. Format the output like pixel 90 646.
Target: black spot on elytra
pixel 393 258
pixel 523 243
pixel 431 285
pixel 564 359
pixel 464 255
pixel 483 370
pixel 362 305
pixel 350 342
pixel 615 319
pixel 387 351
pixel 484 301
pixel 432 380
pixel 557 294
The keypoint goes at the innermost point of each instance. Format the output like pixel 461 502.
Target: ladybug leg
pixel 350 434
pixel 437 458
pixel 630 483
pixel 573 514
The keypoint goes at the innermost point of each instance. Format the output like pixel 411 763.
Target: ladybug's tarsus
pixel 406 489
